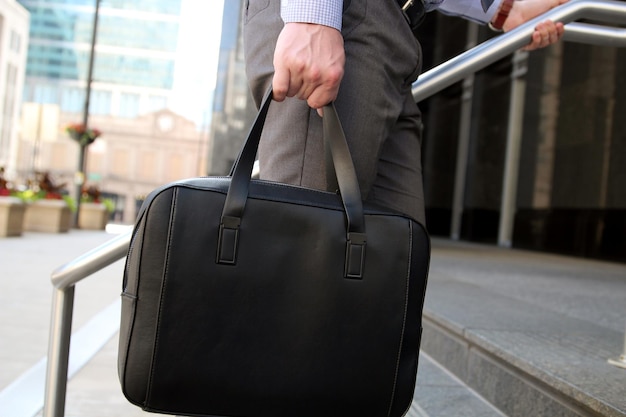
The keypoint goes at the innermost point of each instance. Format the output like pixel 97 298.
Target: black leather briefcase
pixel 249 298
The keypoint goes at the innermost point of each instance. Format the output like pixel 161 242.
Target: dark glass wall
pixel 571 196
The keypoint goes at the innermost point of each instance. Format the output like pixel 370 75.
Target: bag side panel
pixel 129 295
pixel 140 299
pixel 417 276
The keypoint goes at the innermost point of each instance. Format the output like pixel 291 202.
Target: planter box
pixel 48 216
pixel 93 216
pixel 11 216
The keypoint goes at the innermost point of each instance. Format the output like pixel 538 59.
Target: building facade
pixel 233 108
pixel 142 72
pixel 14 24
pixel 135 55
pixel 133 157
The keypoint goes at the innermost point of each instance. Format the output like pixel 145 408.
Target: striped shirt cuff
pixel 321 12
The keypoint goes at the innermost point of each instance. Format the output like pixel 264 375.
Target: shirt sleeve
pixel 321 12
pixel 329 12
pixel 481 11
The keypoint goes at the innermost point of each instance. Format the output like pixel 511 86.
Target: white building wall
pixel 14 27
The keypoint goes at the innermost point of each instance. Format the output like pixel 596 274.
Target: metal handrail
pixel 481 56
pixel 429 83
pixel 595 35
pixel 64 280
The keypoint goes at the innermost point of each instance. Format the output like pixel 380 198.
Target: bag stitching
pixel 406 306
pixel 134 297
pixel 162 295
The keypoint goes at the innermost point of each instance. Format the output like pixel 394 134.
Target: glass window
pixel 148 165
pixel 157 103
pixel 100 102
pixel 15 41
pixel 72 99
pixel 129 105
pixel 121 163
pixel 176 168
pixel 138 36
pixel 46 94
pixel 137 71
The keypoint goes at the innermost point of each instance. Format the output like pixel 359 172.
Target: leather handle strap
pixel 347 181
pixel 335 141
pixel 241 171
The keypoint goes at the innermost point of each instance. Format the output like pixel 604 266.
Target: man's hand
pixel 308 63
pixel 546 33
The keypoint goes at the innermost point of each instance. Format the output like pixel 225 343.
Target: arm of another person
pixel 508 15
pixel 309 57
pixel 546 33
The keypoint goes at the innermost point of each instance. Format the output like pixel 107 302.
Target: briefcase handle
pixel 350 194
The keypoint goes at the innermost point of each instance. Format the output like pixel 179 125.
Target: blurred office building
pixel 14 23
pixel 144 75
pixel 233 108
pixel 135 55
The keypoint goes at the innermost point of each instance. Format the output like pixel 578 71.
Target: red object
pixel 502 15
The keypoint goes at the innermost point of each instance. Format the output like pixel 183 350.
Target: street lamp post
pixel 82 154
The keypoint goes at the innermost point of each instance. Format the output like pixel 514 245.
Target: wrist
pixel 497 23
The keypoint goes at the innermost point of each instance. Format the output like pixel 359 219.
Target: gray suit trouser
pixel 381 121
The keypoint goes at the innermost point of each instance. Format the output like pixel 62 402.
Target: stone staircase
pixel 530 333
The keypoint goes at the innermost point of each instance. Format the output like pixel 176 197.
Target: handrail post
pixel 58 351
pixel 513 147
pixel 621 361
pixel 64 280
pixel 465 125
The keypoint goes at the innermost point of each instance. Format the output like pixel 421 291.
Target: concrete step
pixel 438 393
pixel 529 332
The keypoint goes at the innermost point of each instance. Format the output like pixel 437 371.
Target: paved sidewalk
pixel 26 299
pixel 530 332
pixel 26 293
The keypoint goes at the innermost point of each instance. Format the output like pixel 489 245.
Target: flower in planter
pixel 90 194
pixel 81 134
pixel 4 184
pixel 45 188
pixel 7 189
pixel 52 190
